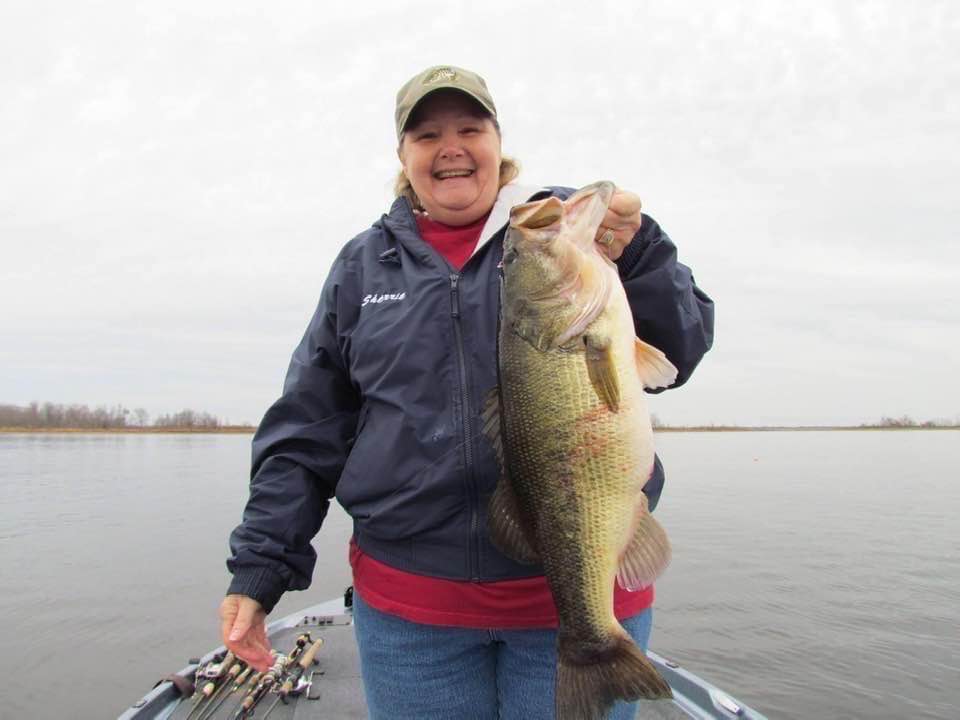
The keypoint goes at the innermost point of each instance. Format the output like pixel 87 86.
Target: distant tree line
pixel 188 419
pixel 52 415
pixel 905 421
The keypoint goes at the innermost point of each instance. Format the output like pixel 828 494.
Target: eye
pixel 469 130
pixel 509 256
pixel 426 135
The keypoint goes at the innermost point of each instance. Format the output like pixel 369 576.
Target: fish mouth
pixel 538 214
pixel 452 173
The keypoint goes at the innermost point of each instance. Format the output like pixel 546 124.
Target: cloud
pixel 178 178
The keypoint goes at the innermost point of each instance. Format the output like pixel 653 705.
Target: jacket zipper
pixel 474 543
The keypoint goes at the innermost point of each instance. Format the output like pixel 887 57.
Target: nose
pixel 451 147
pixel 450 151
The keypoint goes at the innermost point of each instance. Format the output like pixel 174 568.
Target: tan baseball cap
pixel 440 77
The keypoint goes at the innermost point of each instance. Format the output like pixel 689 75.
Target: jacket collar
pixel 400 220
pixel 509 195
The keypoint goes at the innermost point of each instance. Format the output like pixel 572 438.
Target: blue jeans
pixel 426 672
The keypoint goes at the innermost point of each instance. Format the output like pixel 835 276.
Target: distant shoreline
pixel 798 428
pixel 225 430
pixel 250 429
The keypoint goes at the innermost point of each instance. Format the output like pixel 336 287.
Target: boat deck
pixel 337 691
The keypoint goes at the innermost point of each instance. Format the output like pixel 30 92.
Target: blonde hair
pixel 509 170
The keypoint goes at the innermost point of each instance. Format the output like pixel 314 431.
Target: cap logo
pixel 440 75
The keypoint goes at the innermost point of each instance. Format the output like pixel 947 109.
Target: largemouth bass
pixel 570 425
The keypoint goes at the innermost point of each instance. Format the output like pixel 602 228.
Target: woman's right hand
pixel 244 631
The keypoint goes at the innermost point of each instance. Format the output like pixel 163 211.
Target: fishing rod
pixel 213 672
pixel 263 687
pixel 291 684
pixel 238 683
pixel 270 679
pixel 252 686
pixel 224 680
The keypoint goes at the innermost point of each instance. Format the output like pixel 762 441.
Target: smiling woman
pixel 450 151
pixel 382 407
pixel 475 156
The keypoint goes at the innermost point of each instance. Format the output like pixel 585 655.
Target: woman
pixel 381 407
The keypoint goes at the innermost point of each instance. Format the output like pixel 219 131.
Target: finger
pixel 605 237
pixel 256 657
pixel 261 637
pixel 614 219
pixel 621 232
pixel 253 647
pixel 228 613
pixel 246 613
pixel 611 221
pixel 260 643
pixel 625 203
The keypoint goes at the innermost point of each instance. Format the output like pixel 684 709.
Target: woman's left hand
pixel 620 224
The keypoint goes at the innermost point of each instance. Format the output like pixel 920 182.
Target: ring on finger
pixel 607 238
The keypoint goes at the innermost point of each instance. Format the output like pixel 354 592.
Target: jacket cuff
pixel 260 583
pixel 631 254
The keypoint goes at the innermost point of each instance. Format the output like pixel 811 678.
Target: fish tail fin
pixel 588 684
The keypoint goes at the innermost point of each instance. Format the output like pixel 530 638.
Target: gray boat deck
pixel 336 677
pixel 337 691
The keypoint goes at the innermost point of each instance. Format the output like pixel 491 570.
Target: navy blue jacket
pixel 382 400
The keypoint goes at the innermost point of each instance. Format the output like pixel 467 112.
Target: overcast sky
pixel 176 177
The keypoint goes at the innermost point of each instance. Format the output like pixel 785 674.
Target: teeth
pixel 453 173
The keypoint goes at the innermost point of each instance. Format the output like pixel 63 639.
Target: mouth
pixel 447 174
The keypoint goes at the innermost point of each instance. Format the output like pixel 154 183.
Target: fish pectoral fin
pixel 507 530
pixel 490 417
pixel 602 371
pixel 647 554
pixel 653 367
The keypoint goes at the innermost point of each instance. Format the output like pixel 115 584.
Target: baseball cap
pixel 440 77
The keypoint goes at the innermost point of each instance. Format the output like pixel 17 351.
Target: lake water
pixel 815 574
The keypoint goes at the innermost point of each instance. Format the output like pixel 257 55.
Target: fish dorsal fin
pixel 584 210
pixel 647 553
pixel 508 532
pixel 602 371
pixel 653 367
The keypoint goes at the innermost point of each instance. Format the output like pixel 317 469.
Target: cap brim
pixel 442 86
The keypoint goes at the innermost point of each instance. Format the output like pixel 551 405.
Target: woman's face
pixel 451 154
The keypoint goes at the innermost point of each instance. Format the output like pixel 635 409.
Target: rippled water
pixel 815 574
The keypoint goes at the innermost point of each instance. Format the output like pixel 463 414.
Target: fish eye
pixel 510 256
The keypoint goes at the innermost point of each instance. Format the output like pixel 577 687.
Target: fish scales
pixel 570 425
pixel 565 433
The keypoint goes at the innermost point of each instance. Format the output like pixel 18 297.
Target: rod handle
pixel 308 656
pixel 243 676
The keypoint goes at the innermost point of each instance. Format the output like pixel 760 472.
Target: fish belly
pixel 577 469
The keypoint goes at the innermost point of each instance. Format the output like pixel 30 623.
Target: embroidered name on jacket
pixel 386 297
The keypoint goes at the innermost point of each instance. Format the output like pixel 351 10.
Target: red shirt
pixel 455 243
pixel 526 602
pixel 523 603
